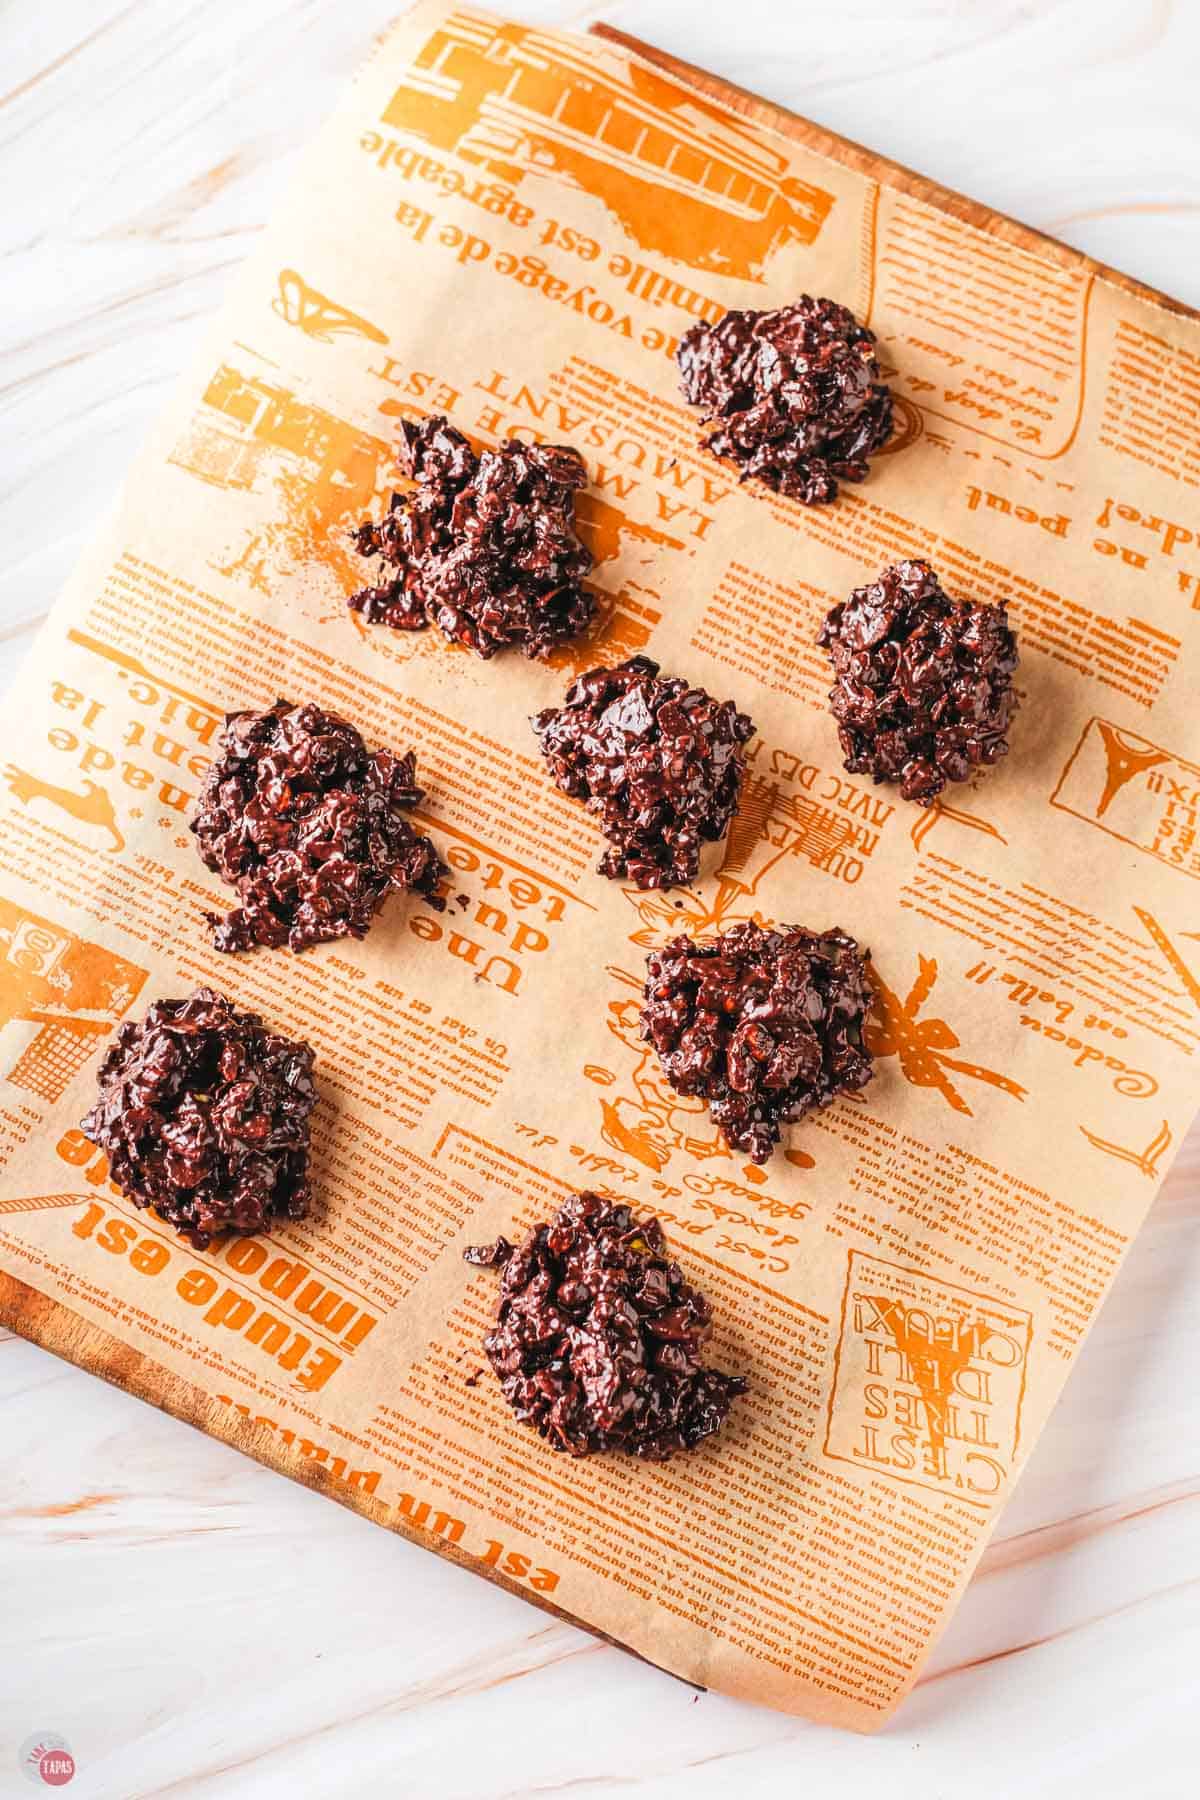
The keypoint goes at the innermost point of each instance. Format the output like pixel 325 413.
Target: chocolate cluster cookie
pixel 762 1025
pixel 660 764
pixel 203 1114
pixel 598 1337
pixel 795 394
pixel 309 827
pixel 923 684
pixel 483 546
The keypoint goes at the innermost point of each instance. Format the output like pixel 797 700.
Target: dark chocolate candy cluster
pixel 796 395
pixel 923 688
pixel 483 547
pixel 598 1337
pixel 660 764
pixel 309 827
pixel 762 1025
pixel 204 1115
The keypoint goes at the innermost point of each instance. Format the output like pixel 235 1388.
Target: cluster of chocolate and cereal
pixel 795 396
pixel 923 684
pixel 658 762
pixel 598 1338
pixel 309 828
pixel 482 546
pixel 203 1114
pixel 762 1025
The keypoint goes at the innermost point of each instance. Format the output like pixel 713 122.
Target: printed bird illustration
pixel 1144 1161
pixel 929 816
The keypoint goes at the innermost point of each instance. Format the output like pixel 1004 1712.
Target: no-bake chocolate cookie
pixel 203 1114
pixel 482 546
pixel 923 684
pixel 659 763
pixel 598 1337
pixel 795 394
pixel 762 1025
pixel 309 827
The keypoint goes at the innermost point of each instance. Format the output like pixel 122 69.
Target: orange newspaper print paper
pixel 514 228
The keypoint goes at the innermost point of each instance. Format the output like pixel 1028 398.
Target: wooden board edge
pixel 881 168
pixel 46 1322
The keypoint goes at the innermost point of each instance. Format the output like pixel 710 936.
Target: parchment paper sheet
pixel 514 228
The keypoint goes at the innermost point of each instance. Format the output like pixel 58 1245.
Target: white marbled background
pixel 197 1626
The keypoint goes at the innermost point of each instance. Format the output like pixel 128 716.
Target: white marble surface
pixel 197 1626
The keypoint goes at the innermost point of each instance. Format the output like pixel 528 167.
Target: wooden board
pixel 56 1328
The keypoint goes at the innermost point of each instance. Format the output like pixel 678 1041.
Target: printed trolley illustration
pixel 677 172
